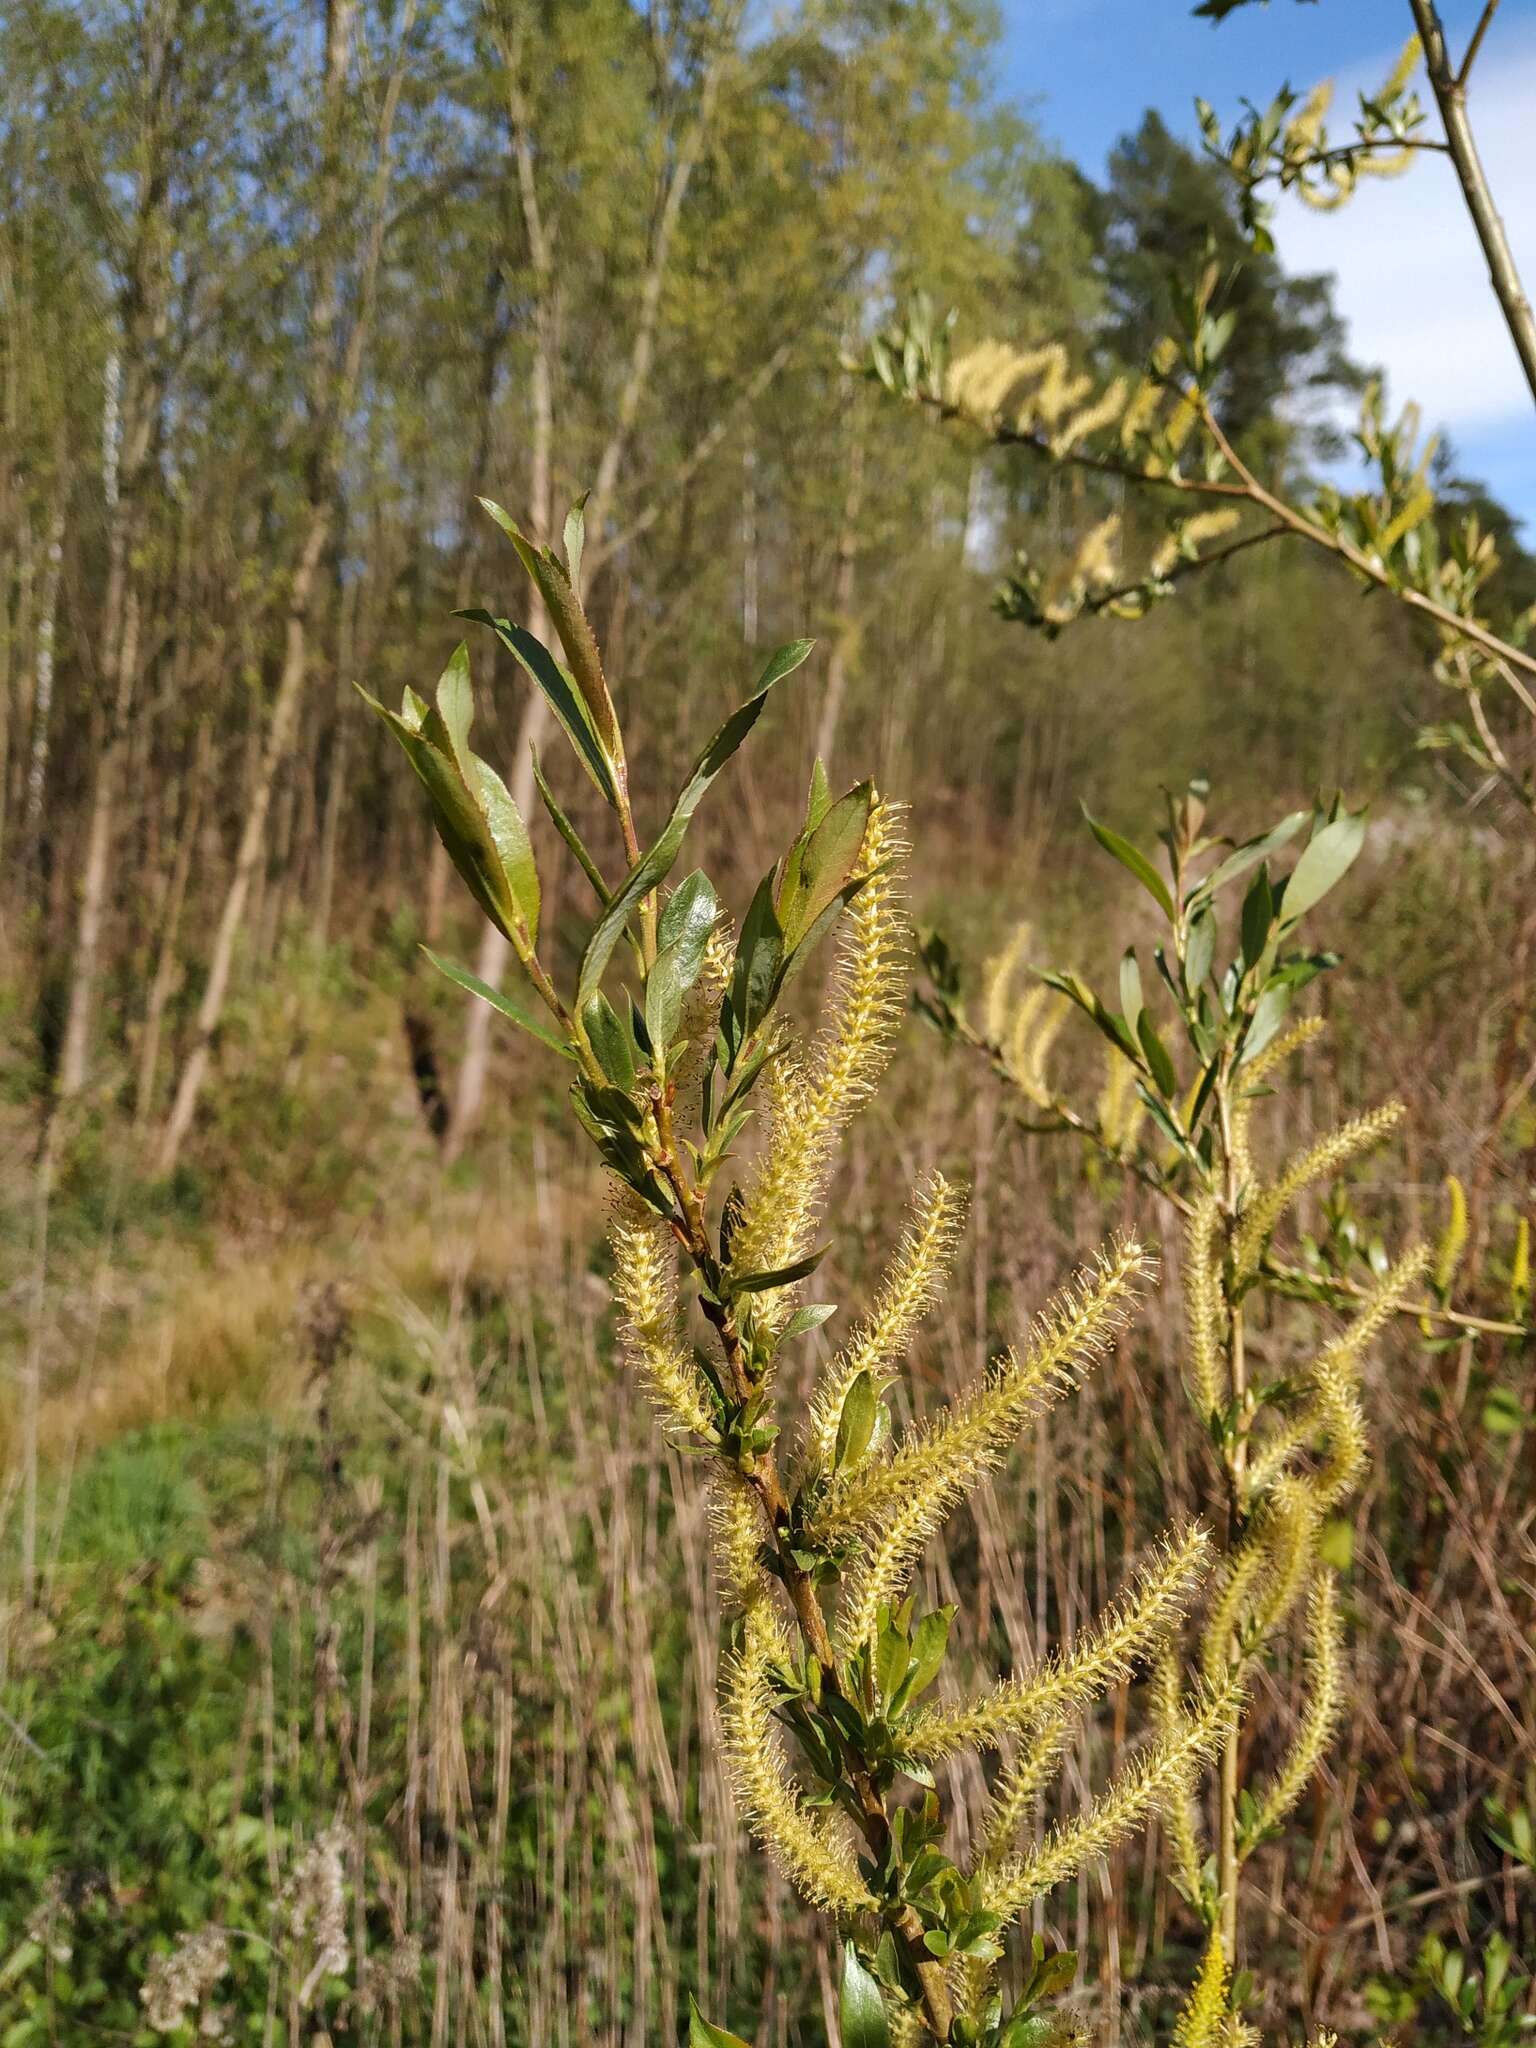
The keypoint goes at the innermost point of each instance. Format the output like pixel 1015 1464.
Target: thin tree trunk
pixel 469 1096
pixel 120 651
pixel 252 844
pixel 842 598
pixel 134 393
pixel 335 795
pixel 332 389
pixel 167 961
pixel 474 1067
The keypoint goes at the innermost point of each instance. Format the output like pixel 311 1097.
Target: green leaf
pixel 684 930
pixel 610 1042
pixel 510 837
pixel 818 796
pixel 1157 1055
pixel 460 806
pixel 1325 860
pixel 688 919
pixel 811 1317
pixel 893 1654
pixel 1199 950
pixel 861 2009
pixel 781 1276
pixel 1136 862
pixel 559 686
pixel 822 862
pixel 476 987
pixel 575 537
pixel 1251 852
pixel 781 663
pixel 1258 915
pixel 1056 1974
pixel 655 865
pixel 564 606
pixel 702 2035
pixel 856 1423
pixel 930 1640
pixel 1130 988
pixel 1269 1014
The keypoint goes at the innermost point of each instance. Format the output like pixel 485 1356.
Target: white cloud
pixel 1411 281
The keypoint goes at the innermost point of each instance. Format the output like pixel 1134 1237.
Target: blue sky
pixel 1410 278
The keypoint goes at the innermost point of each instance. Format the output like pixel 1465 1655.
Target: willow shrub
pixel 677 1036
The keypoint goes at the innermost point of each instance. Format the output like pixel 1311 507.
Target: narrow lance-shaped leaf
pixel 1325 860
pixel 558 591
pixel 510 1010
pixel 656 863
pixel 861 2009
pixel 702 2035
pixel 559 687
pixel 1134 860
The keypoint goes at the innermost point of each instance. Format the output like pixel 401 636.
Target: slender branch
pixel 1476 44
pixel 1188 565
pixel 1363 564
pixel 1450 90
pixel 693 1235
pixel 1343 152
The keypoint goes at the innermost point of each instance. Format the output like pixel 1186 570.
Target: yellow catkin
pixel 1069 1681
pixel 895 1506
pixel 1205 1315
pixel 1319 1162
pixel 1453 1239
pixel 1241 1582
pixel 1037 1023
pixel 1188 534
pixel 811 1848
pixel 1254 1074
pixel 1121 1110
pixel 809 1110
pixel 1102 412
pixel 1141 410
pixel 736 1522
pixel 1280 1049
pixel 913 1284
pixel 1161 1772
pixel 1180 1822
pixel 1321 1713
pixel 655 1345
pixel 1202 2023
pixel 999 1007
pixel 1020 1786
pixel 1291 1531
pixel 907 2029
pixel 1331 1413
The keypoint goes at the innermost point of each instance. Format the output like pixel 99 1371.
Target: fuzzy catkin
pixel 736 1523
pixel 645 1284
pixel 1019 1787
pixel 913 1284
pixel 811 1107
pixel 894 1508
pixel 1319 1162
pixel 1203 2021
pixel 810 1848
pixel 1180 1822
pixel 1160 1772
pixel 1205 1315
pixel 1068 1682
pixel 1320 1715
